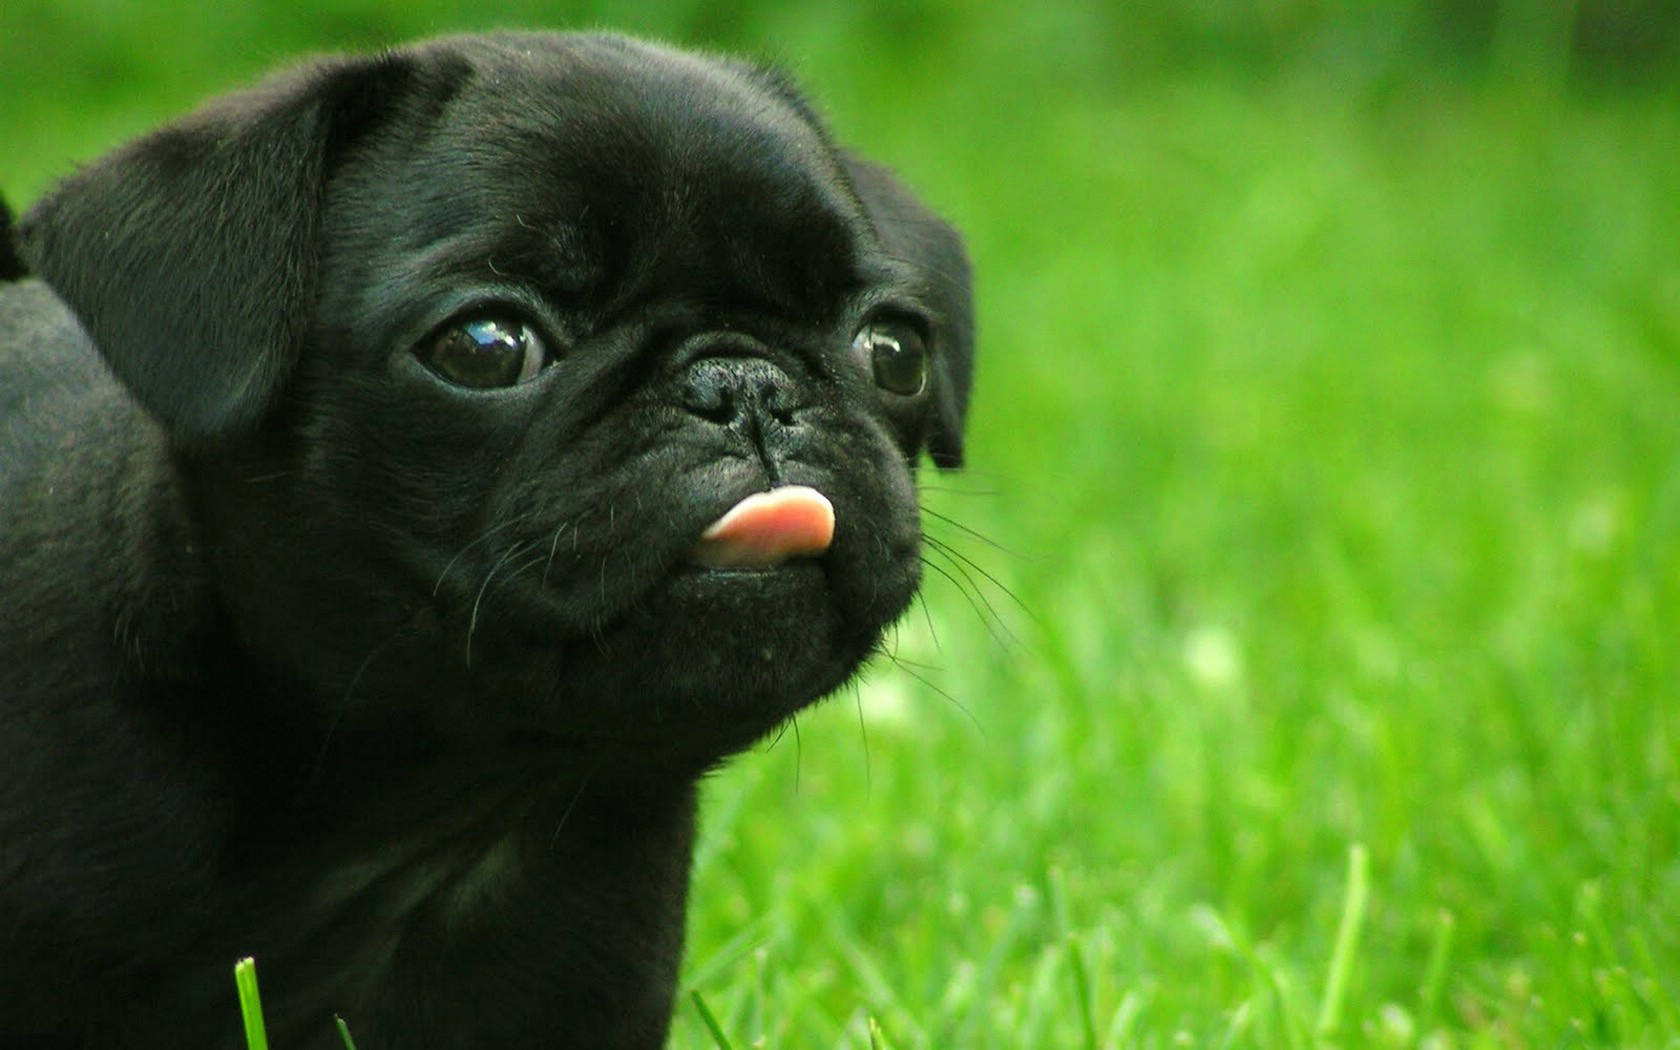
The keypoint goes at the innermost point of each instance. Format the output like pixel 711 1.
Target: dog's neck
pixel 343 841
pixel 397 863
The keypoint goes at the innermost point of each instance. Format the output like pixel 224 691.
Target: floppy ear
pixel 913 233
pixel 190 255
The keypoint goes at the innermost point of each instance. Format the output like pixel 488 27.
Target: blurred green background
pixel 1323 504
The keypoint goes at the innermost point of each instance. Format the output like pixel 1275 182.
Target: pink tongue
pixel 768 528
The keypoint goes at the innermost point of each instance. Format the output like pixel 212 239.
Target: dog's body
pixel 359 438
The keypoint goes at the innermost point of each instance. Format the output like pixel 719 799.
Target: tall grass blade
pixel 709 1021
pixel 250 1004
pixel 1435 973
pixel 1354 904
pixel 1082 991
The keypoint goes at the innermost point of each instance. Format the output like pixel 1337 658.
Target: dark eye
pixel 485 353
pixel 897 355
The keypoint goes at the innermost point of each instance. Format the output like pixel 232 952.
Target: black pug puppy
pixel 415 473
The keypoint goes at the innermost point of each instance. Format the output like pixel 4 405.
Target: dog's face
pixel 468 350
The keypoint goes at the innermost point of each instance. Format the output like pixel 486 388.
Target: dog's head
pixel 467 350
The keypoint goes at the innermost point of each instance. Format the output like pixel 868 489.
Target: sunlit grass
pixel 1326 438
pixel 1332 443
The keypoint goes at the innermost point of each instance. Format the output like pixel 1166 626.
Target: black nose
pixel 739 392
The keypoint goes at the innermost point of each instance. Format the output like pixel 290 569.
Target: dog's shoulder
pixel 35 322
pixel 85 476
pixel 51 376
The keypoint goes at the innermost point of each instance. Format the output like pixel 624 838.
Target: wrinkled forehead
pixel 632 100
pixel 597 163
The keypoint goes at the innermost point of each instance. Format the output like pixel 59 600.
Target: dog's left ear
pixel 913 233
pixel 190 255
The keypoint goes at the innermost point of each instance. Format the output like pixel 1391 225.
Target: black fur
pixel 11 258
pixel 400 687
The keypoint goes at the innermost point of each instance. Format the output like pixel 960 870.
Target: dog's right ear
pixel 190 255
pixel 918 236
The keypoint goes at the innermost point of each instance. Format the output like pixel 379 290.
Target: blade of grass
pixel 1354 904
pixel 1293 1021
pixel 1076 957
pixel 709 1021
pixel 1082 991
pixel 1658 997
pixel 1125 1018
pixel 877 987
pixel 1242 1019
pixel 1435 973
pixel 344 1033
pixel 250 1003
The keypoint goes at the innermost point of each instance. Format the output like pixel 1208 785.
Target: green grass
pixel 251 1011
pixel 250 1004
pixel 1336 439
pixel 1327 437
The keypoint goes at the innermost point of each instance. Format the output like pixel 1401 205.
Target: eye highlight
pixel 897 356
pixel 485 353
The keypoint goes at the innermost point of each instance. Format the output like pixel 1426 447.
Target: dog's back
pixel 82 772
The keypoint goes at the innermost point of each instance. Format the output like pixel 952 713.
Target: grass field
pixel 1303 672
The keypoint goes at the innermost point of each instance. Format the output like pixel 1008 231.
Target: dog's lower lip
pixel 694 568
pixel 693 579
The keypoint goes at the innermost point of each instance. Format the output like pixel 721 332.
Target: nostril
pixel 777 400
pixel 729 390
pixel 708 393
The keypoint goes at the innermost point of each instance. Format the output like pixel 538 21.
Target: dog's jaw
pixel 518 627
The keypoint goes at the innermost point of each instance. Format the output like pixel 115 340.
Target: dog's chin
pixel 701 665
